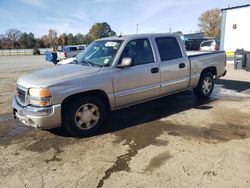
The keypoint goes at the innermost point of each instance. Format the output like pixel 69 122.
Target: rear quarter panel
pixel 203 61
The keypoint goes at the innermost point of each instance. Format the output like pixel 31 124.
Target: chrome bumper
pixel 39 117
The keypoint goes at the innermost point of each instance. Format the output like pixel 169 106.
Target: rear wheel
pixel 83 116
pixel 205 85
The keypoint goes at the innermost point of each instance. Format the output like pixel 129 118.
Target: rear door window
pixel 168 48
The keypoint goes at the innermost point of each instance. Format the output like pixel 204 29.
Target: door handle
pixel 154 70
pixel 182 65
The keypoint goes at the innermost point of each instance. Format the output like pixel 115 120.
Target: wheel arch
pixel 211 69
pixel 96 93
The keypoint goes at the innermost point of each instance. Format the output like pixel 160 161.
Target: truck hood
pixel 50 76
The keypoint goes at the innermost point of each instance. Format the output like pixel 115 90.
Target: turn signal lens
pixel 44 103
pixel 39 92
pixel 39 102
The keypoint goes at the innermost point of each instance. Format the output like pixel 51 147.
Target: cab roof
pixel 138 36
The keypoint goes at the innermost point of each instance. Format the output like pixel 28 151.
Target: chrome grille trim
pixel 22 95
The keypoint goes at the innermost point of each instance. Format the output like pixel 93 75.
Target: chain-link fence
pixel 10 52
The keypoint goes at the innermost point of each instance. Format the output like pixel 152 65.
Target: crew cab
pixel 113 73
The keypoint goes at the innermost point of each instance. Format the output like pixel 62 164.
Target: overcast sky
pixel 38 16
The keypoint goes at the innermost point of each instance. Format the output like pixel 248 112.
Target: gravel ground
pixel 175 141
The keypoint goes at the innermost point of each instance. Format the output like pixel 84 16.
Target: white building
pixel 235 28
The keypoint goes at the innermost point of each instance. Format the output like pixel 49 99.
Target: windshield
pixel 99 53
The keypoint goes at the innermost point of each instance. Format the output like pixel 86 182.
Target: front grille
pixel 21 94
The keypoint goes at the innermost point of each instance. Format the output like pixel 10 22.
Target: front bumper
pixel 39 117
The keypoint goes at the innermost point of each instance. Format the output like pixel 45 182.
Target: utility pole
pixel 137 25
pixel 170 29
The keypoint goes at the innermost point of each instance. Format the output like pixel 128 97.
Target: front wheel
pixel 83 116
pixel 205 85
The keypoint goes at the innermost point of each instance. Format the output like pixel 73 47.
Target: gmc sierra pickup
pixel 112 73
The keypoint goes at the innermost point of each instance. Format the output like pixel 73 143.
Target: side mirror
pixel 125 62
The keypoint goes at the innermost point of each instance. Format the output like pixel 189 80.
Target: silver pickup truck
pixel 112 73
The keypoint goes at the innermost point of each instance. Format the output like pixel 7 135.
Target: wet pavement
pixel 175 141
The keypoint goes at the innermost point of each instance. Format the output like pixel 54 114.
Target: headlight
pixel 39 92
pixel 39 97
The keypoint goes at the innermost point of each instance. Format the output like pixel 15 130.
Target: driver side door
pixel 142 80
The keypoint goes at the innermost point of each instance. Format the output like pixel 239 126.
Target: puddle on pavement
pixel 220 92
pixel 12 131
pixel 213 134
pixel 137 138
pixel 45 141
pixel 5 117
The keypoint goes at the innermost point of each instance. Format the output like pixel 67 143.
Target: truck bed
pixel 200 61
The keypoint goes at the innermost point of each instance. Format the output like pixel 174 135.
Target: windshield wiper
pixel 93 64
pixel 81 62
pixel 89 63
pixel 75 61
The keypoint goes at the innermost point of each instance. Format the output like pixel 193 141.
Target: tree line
pixel 14 38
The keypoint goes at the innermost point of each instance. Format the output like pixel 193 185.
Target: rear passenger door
pixel 174 67
pixel 140 81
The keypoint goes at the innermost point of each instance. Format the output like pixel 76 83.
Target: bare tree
pixel 45 40
pixel 1 40
pixel 13 35
pixel 52 34
pixel 62 39
pixel 209 23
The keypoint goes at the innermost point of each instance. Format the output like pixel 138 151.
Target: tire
pixel 83 116
pixel 205 86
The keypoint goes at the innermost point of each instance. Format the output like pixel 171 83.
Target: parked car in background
pixel 194 44
pixel 36 51
pixel 210 45
pixel 69 51
pixel 61 53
